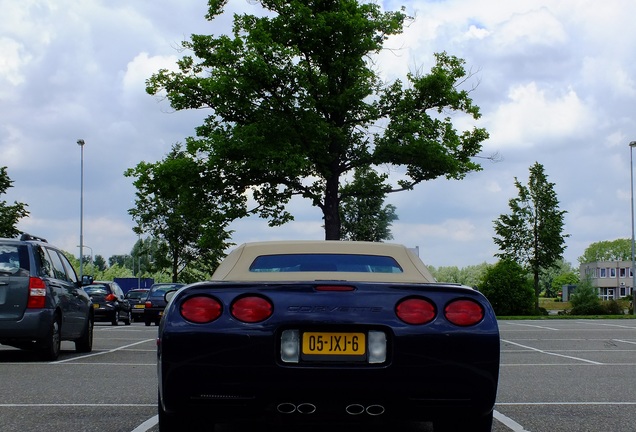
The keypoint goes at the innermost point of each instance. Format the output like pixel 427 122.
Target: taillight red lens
pixel 415 311
pixel 252 309
pixel 201 309
pixel 37 293
pixel 148 304
pixel 464 312
pixel 110 297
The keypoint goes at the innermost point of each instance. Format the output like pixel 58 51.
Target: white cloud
pixel 532 116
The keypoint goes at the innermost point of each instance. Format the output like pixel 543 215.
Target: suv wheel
pixel 85 343
pixel 115 320
pixel 49 349
pixel 128 318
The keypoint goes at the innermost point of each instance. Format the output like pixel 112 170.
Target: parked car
pixel 42 299
pixel 137 299
pixel 327 331
pixel 109 302
pixel 156 303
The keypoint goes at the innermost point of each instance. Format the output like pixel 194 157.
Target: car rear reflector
pixel 415 310
pixel 464 312
pixel 37 293
pixel 201 309
pixel 252 309
pixel 334 288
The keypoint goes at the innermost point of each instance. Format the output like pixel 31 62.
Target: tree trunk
pixel 331 210
pixel 537 290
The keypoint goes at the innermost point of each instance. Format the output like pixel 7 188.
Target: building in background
pixel 613 279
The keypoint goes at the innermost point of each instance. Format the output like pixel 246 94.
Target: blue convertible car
pixel 327 331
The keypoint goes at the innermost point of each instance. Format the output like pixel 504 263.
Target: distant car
pixel 41 299
pixel 327 331
pixel 137 299
pixel 156 303
pixel 109 302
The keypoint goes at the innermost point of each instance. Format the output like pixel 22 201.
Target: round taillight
pixel 464 312
pixel 201 309
pixel 252 309
pixel 415 311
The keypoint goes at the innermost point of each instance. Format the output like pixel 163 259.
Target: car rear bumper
pixel 34 324
pixel 430 377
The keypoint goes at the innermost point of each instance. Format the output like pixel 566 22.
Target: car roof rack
pixel 26 236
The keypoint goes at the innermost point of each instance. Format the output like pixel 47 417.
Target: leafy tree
pixel 124 261
pixel 296 105
pixel 607 250
pixel 560 280
pixel 100 263
pixel 469 276
pixel 532 234
pixel 174 206
pixel 585 300
pixel 507 287
pixel 362 213
pixel 9 214
pixel 561 271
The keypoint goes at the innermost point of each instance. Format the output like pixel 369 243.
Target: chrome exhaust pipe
pixel 306 408
pixel 286 408
pixel 375 410
pixel 354 409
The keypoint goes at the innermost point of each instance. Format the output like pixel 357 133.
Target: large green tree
pixel 9 214
pixel 532 234
pixel 508 289
pixel 174 206
pixel 296 104
pixel 607 250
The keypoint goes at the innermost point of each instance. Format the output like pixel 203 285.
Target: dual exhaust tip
pixel 309 408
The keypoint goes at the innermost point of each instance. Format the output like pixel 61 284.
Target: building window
pixel 602 273
pixel 622 272
pixel 612 272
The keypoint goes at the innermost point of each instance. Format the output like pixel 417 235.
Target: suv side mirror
pixel 87 280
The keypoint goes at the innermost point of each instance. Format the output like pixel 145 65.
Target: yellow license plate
pixel 139 306
pixel 325 343
pixel 96 305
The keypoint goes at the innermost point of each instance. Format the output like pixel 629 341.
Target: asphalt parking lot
pixel 556 376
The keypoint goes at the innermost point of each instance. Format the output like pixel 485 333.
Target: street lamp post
pixel 631 170
pixel 82 251
pixel 80 142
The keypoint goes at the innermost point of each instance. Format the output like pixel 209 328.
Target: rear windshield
pixel 136 294
pixel 160 291
pixel 14 259
pixel 325 263
pixel 97 290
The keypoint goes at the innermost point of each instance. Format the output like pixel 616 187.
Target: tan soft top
pixel 236 266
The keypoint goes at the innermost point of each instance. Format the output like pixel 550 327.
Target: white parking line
pixel 508 422
pixel 147 425
pixel 102 352
pixel 609 325
pixel 552 353
pixel 532 325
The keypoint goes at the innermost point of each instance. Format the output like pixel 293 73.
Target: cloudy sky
pixel 555 81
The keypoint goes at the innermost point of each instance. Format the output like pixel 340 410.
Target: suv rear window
pixel 13 258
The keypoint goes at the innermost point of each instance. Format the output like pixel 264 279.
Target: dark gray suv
pixel 42 302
